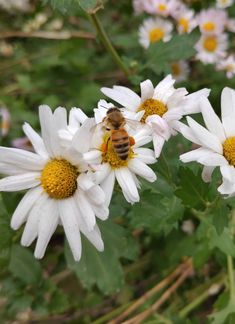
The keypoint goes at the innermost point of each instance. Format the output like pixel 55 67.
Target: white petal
pixel 85 209
pixel 36 140
pixel 96 195
pixel 125 97
pixel 158 143
pixel 94 156
pixel 24 206
pixel 191 103
pixel 102 173
pixel 211 120
pixel 20 182
pixel 127 184
pixel 146 155
pixel 228 111
pixel 45 116
pixel 10 169
pixel 93 236
pixel 68 216
pixel 159 126
pixel 207 173
pixel 82 138
pixel 21 158
pixel 76 117
pixel 107 185
pixel 59 121
pixel 213 159
pixel 194 155
pixel 31 227
pixel 208 139
pixel 140 168
pixel 147 90
pixel 84 182
pixel 101 211
pixel 187 132
pixel 47 226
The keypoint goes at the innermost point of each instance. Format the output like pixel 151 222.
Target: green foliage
pixel 24 266
pixel 160 55
pixel 104 268
pixel 192 190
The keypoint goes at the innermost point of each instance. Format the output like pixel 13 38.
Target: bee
pixel 121 141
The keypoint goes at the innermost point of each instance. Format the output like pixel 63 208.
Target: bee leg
pixel 132 141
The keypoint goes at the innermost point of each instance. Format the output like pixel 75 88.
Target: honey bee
pixel 121 141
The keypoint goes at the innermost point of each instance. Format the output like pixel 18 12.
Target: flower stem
pixel 231 276
pixel 107 44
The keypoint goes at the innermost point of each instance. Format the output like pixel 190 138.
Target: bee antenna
pixel 104 107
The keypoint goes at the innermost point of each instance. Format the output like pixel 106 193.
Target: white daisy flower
pixel 60 189
pixel 227 65
pixel 108 165
pixel 180 70
pixel 212 21
pixel 154 30
pixel 216 141
pixel 163 8
pixel 185 19
pixel 222 4
pixel 211 48
pixel 162 106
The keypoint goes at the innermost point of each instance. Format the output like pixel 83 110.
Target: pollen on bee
pixel 132 141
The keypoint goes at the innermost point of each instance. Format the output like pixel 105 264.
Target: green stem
pixel 198 300
pixel 107 44
pixel 231 276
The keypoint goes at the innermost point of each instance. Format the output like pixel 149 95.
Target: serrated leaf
pixel 223 242
pixel 160 54
pixel 24 266
pixel 220 218
pixel 103 268
pixel 193 191
pixel 156 214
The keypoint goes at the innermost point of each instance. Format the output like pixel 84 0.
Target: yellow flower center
pixel 209 26
pixel 229 150
pixel 184 23
pixel 152 107
pixel 156 35
pixel 59 179
pixel 210 44
pixel 110 156
pixel 162 7
pixel 175 67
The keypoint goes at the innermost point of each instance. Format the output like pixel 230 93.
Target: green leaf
pixel 220 218
pixel 103 268
pixel 223 242
pixel 161 54
pixel 221 316
pixel 24 266
pixel 66 7
pixel 6 235
pixel 193 191
pixel 90 6
pixel 156 214
pixel 71 6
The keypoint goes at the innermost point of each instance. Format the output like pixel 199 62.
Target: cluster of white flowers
pixel 213 22
pixel 70 176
